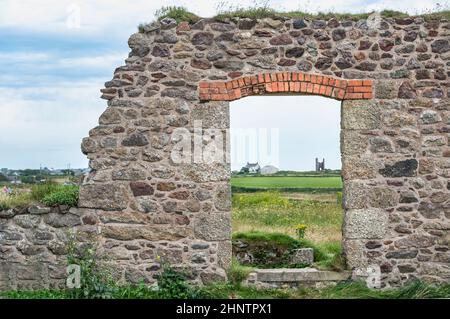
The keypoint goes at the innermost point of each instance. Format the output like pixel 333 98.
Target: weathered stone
pixel 283 39
pixel 135 139
pixel 103 196
pixel 400 169
pixel 38 210
pixel 381 145
pixel 59 220
pixel 402 254
pixel 141 189
pixel 202 38
pixel 440 46
pixel 406 91
pixel 214 226
pixel 133 232
pixel 338 34
pixel 430 117
pixel 323 63
pixel 161 51
pixel 366 223
pixel 222 198
pixel 296 52
pixel 229 65
pixel 357 115
pixel 416 241
pixel 202 64
pixel 303 256
pixel 304 66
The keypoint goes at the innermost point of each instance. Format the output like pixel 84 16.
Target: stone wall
pixel 395 131
pixel 33 245
pixel 392 75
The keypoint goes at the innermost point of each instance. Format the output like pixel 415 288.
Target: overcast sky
pixel 52 68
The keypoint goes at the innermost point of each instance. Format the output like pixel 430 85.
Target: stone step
pixel 295 277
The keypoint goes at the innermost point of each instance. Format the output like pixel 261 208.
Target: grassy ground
pixel 344 290
pixel 287 182
pixel 277 212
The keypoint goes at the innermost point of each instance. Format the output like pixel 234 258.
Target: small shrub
pixel 64 195
pixel 238 272
pixel 300 230
pixel 172 284
pixel 39 191
pixel 96 281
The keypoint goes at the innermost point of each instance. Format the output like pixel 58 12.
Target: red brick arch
pixel 286 82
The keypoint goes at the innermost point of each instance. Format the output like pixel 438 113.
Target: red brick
pixel 322 89
pixel 301 76
pixel 204 97
pixel 204 85
pixel 367 82
pixel 362 89
pixel 261 78
pixel 309 88
pixel 291 86
pixel 268 87
pixel 267 77
pixel 316 88
pixel 274 86
pixel 294 76
pixel 368 95
pixel 303 87
pixel 297 86
pixel 355 83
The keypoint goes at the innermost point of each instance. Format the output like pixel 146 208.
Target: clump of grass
pixel 17 200
pixel 39 191
pixel 359 290
pixel 178 13
pixel 63 195
pixel 238 273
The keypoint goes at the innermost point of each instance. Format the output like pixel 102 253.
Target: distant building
pixel 269 169
pixel 320 166
pixel 251 168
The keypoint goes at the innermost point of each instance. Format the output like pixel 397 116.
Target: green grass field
pixel 287 182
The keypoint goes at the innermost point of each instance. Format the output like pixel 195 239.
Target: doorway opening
pixel 286 182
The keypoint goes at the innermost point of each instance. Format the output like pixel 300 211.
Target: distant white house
pixel 251 168
pixel 269 169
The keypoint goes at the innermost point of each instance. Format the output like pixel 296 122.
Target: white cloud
pixel 48 129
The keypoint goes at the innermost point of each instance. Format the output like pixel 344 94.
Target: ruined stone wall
pixel 395 147
pixel 33 245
